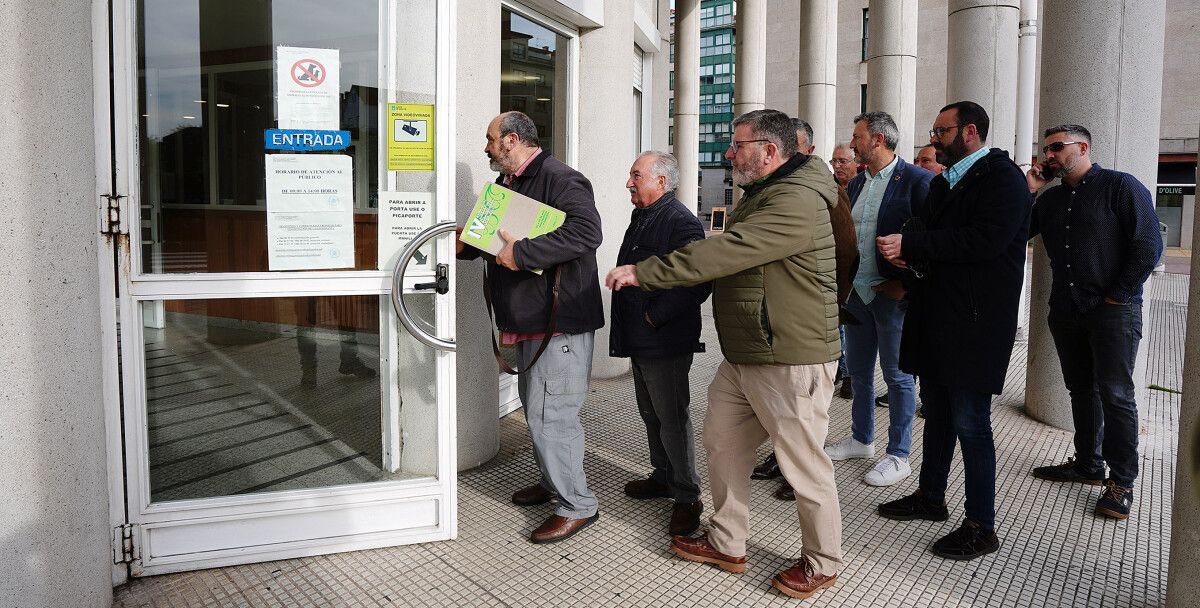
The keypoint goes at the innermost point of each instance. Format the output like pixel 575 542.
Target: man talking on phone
pixel 1101 233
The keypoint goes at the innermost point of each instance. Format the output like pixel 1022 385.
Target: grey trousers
pixel 552 392
pixel 661 386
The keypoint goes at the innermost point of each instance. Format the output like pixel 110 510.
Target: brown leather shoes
pixel 685 517
pixel 699 550
pixel 801 581
pixel 533 495
pixel 560 528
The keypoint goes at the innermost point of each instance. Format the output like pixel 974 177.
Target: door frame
pixel 137 523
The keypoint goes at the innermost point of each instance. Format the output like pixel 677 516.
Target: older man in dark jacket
pixel 552 389
pixel 659 331
pixel 958 336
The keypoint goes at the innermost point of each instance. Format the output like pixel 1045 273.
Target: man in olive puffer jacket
pixel 775 306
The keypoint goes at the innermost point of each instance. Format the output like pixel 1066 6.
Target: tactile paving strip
pixel 1054 552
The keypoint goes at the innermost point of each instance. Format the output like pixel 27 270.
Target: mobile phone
pixel 1047 172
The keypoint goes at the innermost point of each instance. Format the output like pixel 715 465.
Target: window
pixel 716 44
pixel 533 76
pixel 862 99
pixel 865 56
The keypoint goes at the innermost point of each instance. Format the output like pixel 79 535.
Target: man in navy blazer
pixel 882 199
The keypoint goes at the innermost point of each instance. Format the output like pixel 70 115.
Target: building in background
pixel 717 48
pixel 1179 124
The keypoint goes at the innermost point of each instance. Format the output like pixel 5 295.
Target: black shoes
pixel 1115 502
pixel 785 492
pixel 845 391
pixel 356 368
pixel 769 469
pixel 685 518
pixel 969 541
pixel 881 401
pixel 1068 472
pixel 645 489
pixel 914 506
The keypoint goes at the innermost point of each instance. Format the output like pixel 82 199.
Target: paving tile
pixel 1054 553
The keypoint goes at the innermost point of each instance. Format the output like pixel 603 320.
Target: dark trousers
pixel 956 414
pixel 1096 350
pixel 661 386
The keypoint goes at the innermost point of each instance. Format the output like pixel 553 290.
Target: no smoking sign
pixel 308 73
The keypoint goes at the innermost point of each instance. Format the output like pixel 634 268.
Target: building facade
pixel 1179 124
pixel 214 359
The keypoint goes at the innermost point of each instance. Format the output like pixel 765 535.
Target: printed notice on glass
pixel 310 211
pixel 403 215
pixel 410 137
pixel 306 88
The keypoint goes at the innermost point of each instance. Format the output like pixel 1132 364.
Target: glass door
pixel 276 158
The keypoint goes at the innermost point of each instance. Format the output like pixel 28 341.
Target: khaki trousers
pixel 789 404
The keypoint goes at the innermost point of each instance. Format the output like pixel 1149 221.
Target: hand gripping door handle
pixel 441 285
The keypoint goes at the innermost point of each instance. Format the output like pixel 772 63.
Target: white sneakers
pixel 850 448
pixel 888 471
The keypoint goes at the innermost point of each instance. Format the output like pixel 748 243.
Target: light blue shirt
pixel 866 218
pixel 955 173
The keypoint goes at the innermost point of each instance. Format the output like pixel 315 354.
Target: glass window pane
pixel 208 92
pixel 533 68
pixel 263 394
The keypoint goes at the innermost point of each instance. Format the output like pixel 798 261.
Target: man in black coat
pixel 554 388
pixel 968 259
pixel 659 331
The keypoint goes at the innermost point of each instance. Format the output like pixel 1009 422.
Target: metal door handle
pixel 441 284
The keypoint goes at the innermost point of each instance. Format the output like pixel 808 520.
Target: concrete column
pixel 477 101
pixel 55 529
pixel 1183 586
pixel 818 71
pixel 1027 40
pixel 687 100
pixel 982 62
pixel 750 72
pixel 606 124
pixel 892 65
pixel 1087 37
pixel 1025 135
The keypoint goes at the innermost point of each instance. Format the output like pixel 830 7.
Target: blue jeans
pixel 953 413
pixel 882 323
pixel 841 369
pixel 1096 350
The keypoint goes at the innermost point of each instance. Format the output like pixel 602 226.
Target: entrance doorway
pixel 273 161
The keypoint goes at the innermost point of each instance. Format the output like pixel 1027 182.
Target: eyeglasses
pixel 938 132
pixel 735 144
pixel 1057 146
pixel 837 162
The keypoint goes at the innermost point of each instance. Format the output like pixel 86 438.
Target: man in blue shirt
pixel 882 199
pixel 1101 233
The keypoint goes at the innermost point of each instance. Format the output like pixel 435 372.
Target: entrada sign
pixel 304 140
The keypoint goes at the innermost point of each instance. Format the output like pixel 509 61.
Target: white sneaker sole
pixel 882 482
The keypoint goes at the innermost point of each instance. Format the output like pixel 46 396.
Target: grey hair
pixel 881 123
pixel 773 126
pixel 522 125
pixel 665 165
pixel 800 124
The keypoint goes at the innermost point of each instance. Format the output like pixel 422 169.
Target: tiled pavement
pixel 1054 553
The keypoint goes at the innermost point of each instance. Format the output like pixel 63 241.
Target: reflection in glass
pixel 533 77
pixel 264 394
pixel 206 96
